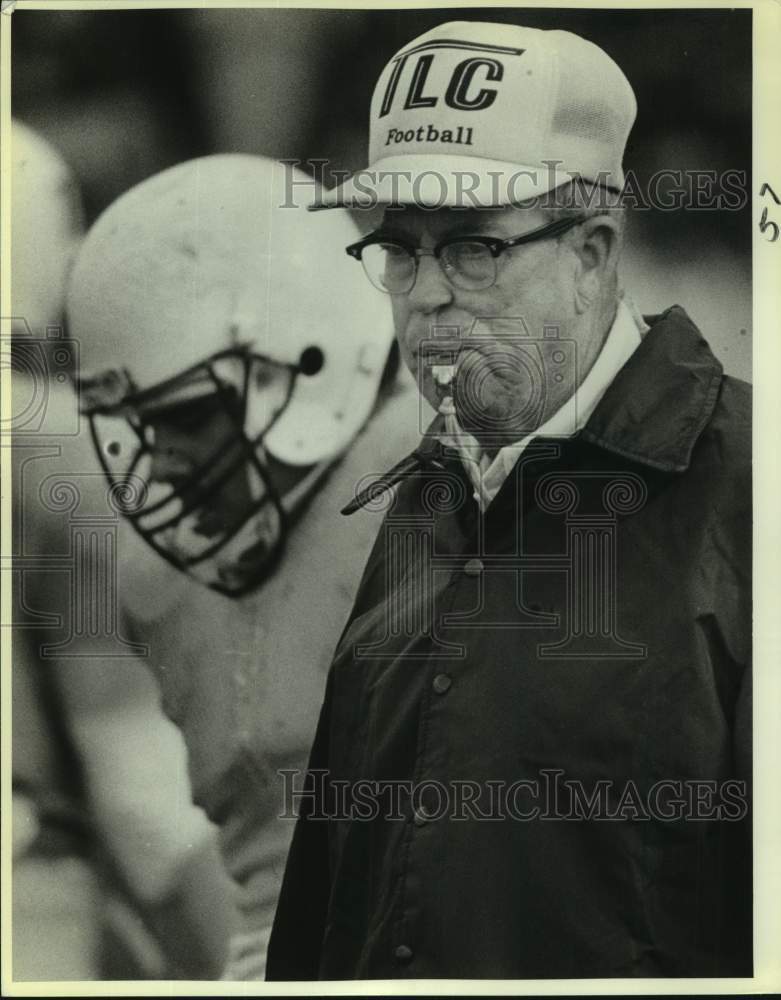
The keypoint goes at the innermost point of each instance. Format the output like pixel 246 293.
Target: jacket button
pixel 441 683
pixel 473 567
pixel 403 953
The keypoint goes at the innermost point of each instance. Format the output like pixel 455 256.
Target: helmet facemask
pixel 187 463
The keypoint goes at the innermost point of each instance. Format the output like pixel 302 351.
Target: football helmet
pixel 46 226
pixel 230 354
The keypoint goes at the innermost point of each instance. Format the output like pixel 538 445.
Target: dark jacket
pixel 588 637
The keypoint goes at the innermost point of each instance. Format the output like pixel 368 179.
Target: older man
pixel 533 756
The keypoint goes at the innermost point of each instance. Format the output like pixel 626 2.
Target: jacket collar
pixel 661 400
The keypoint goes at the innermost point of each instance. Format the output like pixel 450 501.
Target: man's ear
pixel 597 248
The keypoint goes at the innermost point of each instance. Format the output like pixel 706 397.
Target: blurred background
pixel 123 94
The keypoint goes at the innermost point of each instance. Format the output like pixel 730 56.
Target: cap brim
pixel 433 181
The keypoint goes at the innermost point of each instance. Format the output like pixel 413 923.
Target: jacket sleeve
pixel 299 924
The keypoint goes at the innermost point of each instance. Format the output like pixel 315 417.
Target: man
pixel 236 382
pixel 533 755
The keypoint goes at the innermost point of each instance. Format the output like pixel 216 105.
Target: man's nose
pixel 431 290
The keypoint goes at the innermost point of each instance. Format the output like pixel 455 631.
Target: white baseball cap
pixel 474 114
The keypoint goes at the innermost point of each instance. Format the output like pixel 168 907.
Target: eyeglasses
pixel 468 262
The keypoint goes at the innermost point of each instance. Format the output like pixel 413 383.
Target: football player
pixel 239 381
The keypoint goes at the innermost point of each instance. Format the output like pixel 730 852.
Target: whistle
pixel 443 376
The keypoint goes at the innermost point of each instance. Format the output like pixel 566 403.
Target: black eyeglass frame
pixel 495 245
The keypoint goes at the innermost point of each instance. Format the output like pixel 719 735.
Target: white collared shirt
pixel 488 475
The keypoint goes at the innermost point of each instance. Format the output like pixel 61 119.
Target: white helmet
pixel 46 226
pixel 200 290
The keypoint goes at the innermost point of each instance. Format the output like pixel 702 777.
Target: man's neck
pixel 594 343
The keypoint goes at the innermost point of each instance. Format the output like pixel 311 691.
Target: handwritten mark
pixel 766 224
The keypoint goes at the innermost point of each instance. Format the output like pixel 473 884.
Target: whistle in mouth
pixel 443 376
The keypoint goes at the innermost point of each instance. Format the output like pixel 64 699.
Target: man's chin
pixel 493 428
pixel 497 408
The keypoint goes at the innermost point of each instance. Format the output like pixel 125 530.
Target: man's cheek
pixel 409 359
pixel 407 337
pixel 401 317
